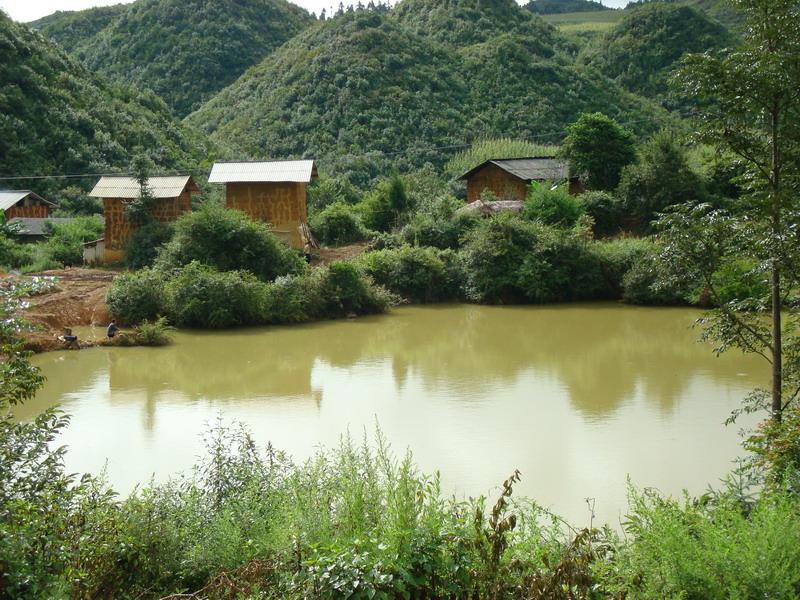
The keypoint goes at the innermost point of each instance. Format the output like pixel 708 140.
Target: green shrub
pixel 740 280
pixel 65 244
pixel 606 212
pixel 693 550
pixel 153 333
pixel 416 274
pixel 554 207
pixel 643 283
pixel 383 208
pixel 338 224
pixel 229 240
pixel 201 296
pixel 143 246
pixel 14 255
pixel 439 231
pixel 491 256
pixel 291 299
pixel 342 290
pixel 619 256
pixel 510 260
pixel 326 191
pixel 137 297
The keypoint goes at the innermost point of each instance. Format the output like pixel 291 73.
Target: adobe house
pixel 173 197
pixel 25 204
pixel 275 192
pixel 510 178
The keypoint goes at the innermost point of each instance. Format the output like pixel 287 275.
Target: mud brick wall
pixel 119 229
pixel 282 205
pixel 502 184
pixel 36 211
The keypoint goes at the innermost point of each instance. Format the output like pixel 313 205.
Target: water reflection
pixel 577 396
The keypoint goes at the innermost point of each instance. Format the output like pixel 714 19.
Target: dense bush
pixel 137 297
pixel 606 212
pixel 383 208
pixel 437 229
pixel 326 191
pixel 661 178
pixel 143 246
pixel 65 242
pixel 556 207
pixel 338 224
pixel 692 550
pixel 417 274
pixel 643 283
pixel 201 296
pixel 510 260
pixel 229 240
pixel 618 257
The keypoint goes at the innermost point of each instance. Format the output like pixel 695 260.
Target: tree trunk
pixel 777 350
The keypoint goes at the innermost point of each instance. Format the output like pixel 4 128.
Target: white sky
pixel 28 10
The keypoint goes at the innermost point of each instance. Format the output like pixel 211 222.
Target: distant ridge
pixel 554 7
pixel 184 50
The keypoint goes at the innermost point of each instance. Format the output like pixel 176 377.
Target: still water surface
pixel 577 397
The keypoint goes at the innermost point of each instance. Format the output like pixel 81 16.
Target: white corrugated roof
pixel 9 198
pixel 276 171
pixel 127 187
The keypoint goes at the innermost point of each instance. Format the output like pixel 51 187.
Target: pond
pixel 577 397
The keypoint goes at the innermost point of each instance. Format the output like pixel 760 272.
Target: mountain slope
pixel 58 118
pixel 185 50
pixel 366 95
pixel 642 50
pixel 72 29
pixel 555 7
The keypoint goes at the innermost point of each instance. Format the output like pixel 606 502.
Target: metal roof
pixel 275 171
pixel 528 169
pixel 36 226
pixel 9 198
pixel 127 187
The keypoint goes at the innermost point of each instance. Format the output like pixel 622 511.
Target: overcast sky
pixel 28 10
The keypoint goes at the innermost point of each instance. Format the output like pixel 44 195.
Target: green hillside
pixel 184 50
pixel 58 118
pixel 71 29
pixel 554 7
pixel 641 51
pixel 364 93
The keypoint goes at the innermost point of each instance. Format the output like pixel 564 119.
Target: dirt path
pixel 78 299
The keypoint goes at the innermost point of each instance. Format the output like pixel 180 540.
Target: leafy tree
pixel 139 211
pixel 661 178
pixel 383 208
pixel 751 104
pixel 598 148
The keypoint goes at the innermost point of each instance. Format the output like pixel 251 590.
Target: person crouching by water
pixel 112 329
pixel 69 340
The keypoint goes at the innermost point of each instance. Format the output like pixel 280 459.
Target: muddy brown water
pixel 578 398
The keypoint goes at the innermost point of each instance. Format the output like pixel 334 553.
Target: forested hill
pixel 72 29
pixel 184 50
pixel 641 51
pixel 466 22
pixel 58 118
pixel 366 93
pixel 554 7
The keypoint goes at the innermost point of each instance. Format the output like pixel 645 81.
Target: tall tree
pixel 598 148
pixel 749 105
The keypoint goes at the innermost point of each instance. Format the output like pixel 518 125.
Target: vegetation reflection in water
pixel 577 397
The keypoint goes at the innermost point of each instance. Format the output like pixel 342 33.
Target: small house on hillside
pixel 509 178
pixel 24 203
pixel 31 229
pixel 275 192
pixel 173 197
